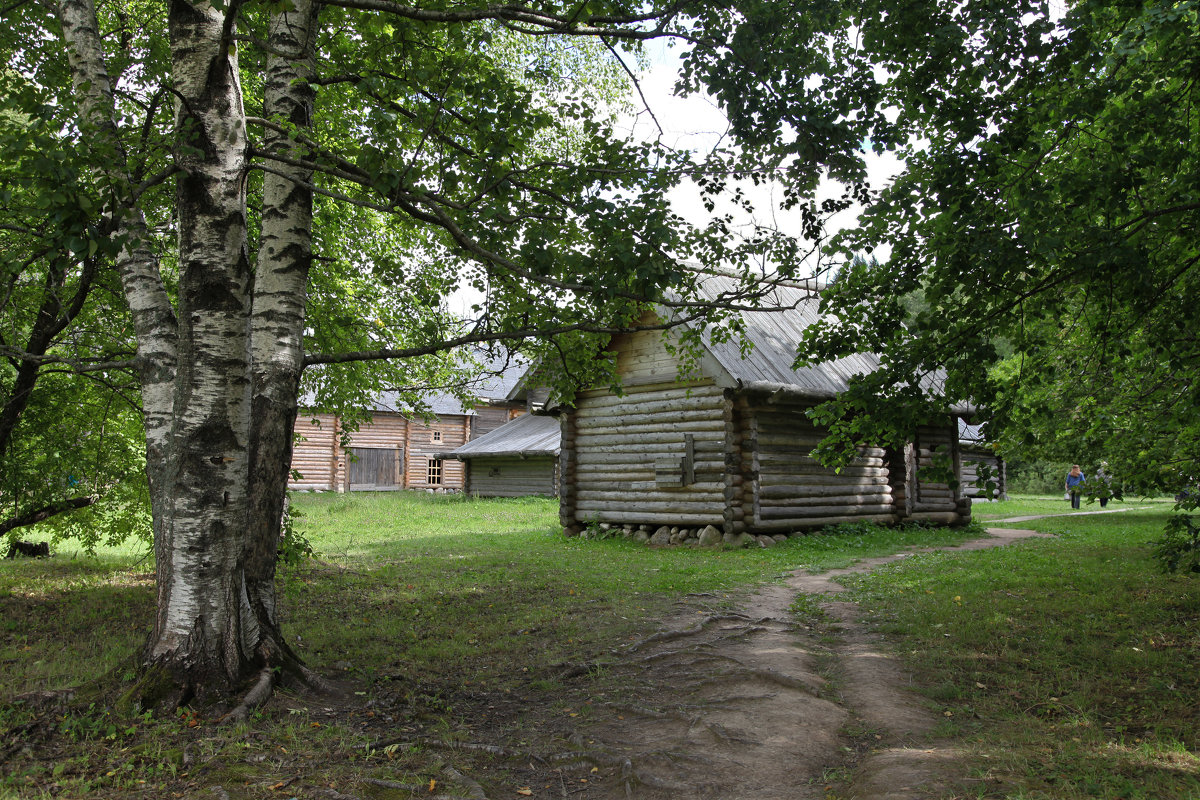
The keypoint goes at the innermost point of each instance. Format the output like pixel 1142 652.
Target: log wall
pixel 315 453
pixel 512 476
pixel 655 456
pixel 324 464
pixel 791 490
pixel 933 497
pixel 971 460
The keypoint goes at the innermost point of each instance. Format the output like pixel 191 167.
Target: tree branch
pixel 44 513
pixel 539 22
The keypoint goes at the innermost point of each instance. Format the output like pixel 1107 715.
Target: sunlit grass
pixel 1028 504
pixel 485 584
pixel 1068 664
pixel 423 603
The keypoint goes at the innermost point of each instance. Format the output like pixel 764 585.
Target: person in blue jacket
pixel 1074 486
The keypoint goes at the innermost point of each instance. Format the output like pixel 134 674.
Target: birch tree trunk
pixel 153 315
pixel 202 634
pixel 279 301
pixel 219 373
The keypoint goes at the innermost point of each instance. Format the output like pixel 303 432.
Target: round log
pixel 821 479
pixel 645 396
pixel 838 500
pixel 819 522
pixel 650 518
pixel 802 512
pixel 805 490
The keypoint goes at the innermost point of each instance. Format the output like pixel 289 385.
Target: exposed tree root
pixel 575 670
pixel 421 789
pixel 316 681
pixel 258 694
pixel 414 788
pixel 642 711
pixel 44 699
pixel 667 636
pixel 479 747
pixel 722 733
pixel 695 657
pixel 474 790
pixel 786 681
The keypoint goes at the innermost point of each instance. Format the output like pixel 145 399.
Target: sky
pixel 696 123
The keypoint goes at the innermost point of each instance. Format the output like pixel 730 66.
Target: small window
pixel 434 472
pixel 437 436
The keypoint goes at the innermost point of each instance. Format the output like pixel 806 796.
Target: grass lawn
pixel 446 616
pixel 1067 665
pixel 1020 505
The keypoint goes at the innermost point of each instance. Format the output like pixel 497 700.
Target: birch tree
pixel 235 144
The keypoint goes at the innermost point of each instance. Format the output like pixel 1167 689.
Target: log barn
pixel 976 453
pixel 729 443
pixel 518 459
pixel 396 449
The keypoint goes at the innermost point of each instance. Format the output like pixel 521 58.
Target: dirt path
pixel 749 705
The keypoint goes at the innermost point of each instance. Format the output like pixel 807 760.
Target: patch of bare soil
pixel 748 704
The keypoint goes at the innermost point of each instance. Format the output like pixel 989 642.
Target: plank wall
pixel 791 490
pixel 487 418
pixel 643 360
pixel 455 430
pixel 512 476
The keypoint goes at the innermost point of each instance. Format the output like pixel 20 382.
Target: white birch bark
pixel 200 622
pixel 153 315
pixel 279 300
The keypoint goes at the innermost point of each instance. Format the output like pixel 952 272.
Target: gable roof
pixel 492 386
pixel 526 435
pixel 774 333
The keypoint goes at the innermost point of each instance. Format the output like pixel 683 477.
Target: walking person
pixel 1074 485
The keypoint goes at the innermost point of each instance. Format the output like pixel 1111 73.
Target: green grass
pixel 1067 665
pixel 445 615
pixel 1021 505
pixel 485 584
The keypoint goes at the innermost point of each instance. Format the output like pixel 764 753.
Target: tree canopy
pixel 1048 216
pixel 270 188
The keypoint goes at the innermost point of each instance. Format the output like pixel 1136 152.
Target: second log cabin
pixel 729 445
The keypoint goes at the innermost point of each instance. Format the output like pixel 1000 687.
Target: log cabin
pixel 728 443
pixel 397 449
pixel 518 459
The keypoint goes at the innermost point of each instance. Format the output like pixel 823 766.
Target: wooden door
pixel 375 468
